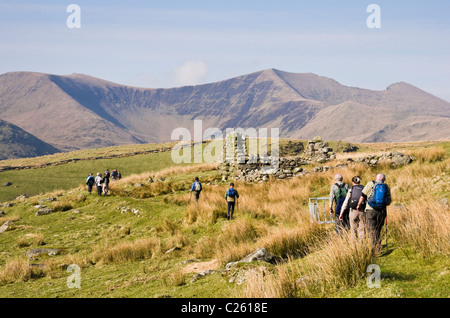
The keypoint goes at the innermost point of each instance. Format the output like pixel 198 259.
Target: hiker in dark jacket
pixel 357 218
pixel 90 181
pixel 114 174
pixel 196 189
pixel 338 192
pixel 231 196
pixel 105 184
pixel 377 194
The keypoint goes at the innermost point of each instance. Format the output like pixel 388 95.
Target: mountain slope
pixel 36 104
pixel 352 121
pixel 17 143
pixel 79 111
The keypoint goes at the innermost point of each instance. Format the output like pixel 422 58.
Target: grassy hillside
pixel 120 241
pixel 68 170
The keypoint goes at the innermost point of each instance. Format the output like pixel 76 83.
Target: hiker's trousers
pixel 357 224
pixel 196 195
pixel 230 208
pixel 374 224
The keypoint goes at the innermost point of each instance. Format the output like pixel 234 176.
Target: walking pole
pixel 385 222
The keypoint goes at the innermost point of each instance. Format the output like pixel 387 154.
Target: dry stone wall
pixel 256 168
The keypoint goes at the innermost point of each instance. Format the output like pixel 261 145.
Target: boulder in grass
pixel 44 212
pixel 8 225
pixel 39 251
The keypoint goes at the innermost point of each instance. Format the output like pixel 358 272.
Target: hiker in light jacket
pixel 376 212
pixel 231 196
pixel 196 189
pixel 98 183
pixel 338 192
pixel 357 218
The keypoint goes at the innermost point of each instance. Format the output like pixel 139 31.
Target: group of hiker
pixel 362 210
pixel 358 209
pixel 102 182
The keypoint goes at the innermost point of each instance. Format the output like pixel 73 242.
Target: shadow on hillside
pixel 398 276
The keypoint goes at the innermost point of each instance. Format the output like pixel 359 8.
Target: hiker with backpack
pixel 98 183
pixel 338 193
pixel 231 196
pixel 90 181
pixel 105 183
pixel 357 218
pixel 196 189
pixel 378 196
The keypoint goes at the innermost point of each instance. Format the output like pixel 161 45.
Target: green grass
pixel 94 224
pixel 72 174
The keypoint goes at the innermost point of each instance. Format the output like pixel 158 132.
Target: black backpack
pixel 356 195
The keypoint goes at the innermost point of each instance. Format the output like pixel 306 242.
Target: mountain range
pixel 79 111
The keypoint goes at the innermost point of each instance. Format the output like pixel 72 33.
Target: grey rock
pixel 176 248
pixel 44 211
pixel 202 274
pixel 260 254
pixel 39 251
pixel 8 225
pixel 400 159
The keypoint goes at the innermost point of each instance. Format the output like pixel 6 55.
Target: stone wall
pixel 255 168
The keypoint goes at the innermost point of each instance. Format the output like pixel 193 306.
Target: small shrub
pixel 62 206
pixel 30 239
pixel 19 270
pixel 128 251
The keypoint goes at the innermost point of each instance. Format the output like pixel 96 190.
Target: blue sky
pixel 173 43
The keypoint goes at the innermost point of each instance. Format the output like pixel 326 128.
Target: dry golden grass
pixel 11 218
pixel 30 239
pixel 424 225
pixel 18 269
pixel 428 155
pixel 127 251
pixel 339 262
pixel 176 170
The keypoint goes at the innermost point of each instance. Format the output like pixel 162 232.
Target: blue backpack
pixel 378 198
pixel 231 193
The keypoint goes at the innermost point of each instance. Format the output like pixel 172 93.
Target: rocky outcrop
pixel 39 251
pixel 396 159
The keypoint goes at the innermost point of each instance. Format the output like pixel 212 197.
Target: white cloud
pixel 192 72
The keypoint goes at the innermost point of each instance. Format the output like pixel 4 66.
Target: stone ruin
pixel 239 165
pixel 242 166
pixel 319 151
